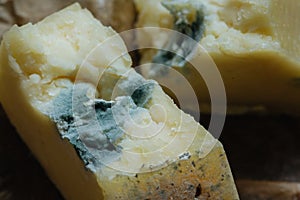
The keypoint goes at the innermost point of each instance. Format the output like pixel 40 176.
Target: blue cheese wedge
pixel 117 136
pixel 254 44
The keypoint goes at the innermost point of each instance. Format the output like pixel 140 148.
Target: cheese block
pixel 254 44
pixel 98 128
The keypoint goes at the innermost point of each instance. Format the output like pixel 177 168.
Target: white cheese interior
pixel 151 139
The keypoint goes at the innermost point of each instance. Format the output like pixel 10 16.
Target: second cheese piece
pixel 254 44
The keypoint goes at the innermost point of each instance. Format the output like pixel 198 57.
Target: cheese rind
pixel 253 43
pixel 106 140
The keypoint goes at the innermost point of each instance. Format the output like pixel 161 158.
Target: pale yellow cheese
pixel 164 153
pixel 254 43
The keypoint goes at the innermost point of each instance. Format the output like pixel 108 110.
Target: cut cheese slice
pixel 120 139
pixel 254 43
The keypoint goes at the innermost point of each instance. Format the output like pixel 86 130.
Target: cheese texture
pixel 99 129
pixel 254 44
